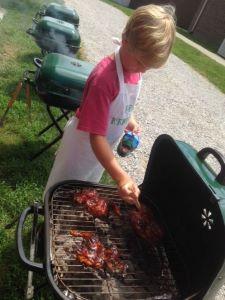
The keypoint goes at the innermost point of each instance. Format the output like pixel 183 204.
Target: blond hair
pixel 151 31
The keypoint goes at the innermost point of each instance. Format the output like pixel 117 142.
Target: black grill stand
pixel 55 123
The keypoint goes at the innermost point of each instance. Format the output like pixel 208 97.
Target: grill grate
pixel 148 276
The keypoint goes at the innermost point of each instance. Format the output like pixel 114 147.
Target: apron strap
pixel 119 68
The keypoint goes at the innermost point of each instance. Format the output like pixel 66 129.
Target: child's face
pixel 132 61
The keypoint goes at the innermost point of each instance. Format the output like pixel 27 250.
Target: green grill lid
pixel 62 12
pixel 56 29
pixel 65 71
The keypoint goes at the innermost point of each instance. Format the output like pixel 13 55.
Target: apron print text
pixel 119 121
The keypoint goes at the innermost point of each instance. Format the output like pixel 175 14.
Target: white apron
pixel 75 158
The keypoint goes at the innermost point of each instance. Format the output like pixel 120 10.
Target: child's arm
pixel 128 189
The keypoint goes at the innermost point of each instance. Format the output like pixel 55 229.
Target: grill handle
pixel 202 154
pixel 30 31
pixel 38 62
pixel 29 264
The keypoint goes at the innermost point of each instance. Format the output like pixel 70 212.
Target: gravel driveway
pixel 174 100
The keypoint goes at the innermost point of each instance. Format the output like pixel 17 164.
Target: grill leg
pixel 54 120
pixel 30 288
pixel 63 115
pixel 54 123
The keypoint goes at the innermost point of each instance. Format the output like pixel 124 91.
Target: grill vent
pixel 207 219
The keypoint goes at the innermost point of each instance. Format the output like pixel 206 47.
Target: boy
pixel 108 101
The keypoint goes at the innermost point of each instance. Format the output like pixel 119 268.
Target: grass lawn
pixel 212 70
pixel 21 181
pixel 207 67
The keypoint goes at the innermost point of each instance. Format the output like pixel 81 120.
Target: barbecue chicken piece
pixel 96 205
pixel 83 234
pixel 113 264
pixel 92 253
pixel 145 226
pixel 81 197
pixel 116 267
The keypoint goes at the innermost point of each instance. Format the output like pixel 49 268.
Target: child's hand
pixel 133 126
pixel 129 192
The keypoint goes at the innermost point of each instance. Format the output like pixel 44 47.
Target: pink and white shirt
pixel 101 89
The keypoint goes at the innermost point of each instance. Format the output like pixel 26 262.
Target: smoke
pixel 54 40
pixel 62 45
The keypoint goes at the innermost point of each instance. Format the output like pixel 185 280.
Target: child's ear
pixel 124 42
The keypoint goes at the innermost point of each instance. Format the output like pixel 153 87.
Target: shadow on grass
pixel 16 164
pixel 29 57
pixel 13 275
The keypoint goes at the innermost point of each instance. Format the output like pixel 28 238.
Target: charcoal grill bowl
pixel 49 195
pixel 47 266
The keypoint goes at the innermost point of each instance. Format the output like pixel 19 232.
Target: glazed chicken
pixel 113 264
pixel 145 225
pixel 83 234
pixel 96 205
pixel 92 253
pixel 83 196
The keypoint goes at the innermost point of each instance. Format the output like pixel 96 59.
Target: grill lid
pixel 62 12
pixel 59 72
pixel 56 30
pixel 191 201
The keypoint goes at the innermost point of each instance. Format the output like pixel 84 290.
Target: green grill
pixel 53 35
pixel 60 80
pixel 60 12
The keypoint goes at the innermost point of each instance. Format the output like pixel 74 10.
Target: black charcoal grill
pixel 187 200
